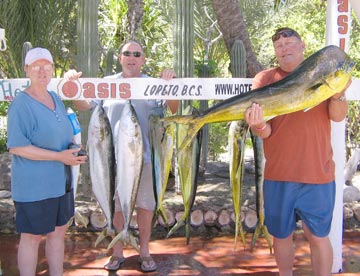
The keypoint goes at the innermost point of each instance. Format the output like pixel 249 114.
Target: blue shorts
pixel 284 202
pixel 41 217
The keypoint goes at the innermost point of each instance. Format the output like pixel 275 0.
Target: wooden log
pixel 178 215
pixel 224 218
pixel 170 218
pixel 210 218
pixel 242 216
pixel 196 218
pixel 251 218
pixel 98 220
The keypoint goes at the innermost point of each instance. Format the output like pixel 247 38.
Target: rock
pixel 5 194
pixel 348 213
pixel 356 210
pixel 351 193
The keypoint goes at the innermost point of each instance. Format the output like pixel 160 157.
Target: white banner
pixel 146 88
pixel 135 88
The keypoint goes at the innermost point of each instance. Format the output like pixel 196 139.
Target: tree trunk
pixel 232 25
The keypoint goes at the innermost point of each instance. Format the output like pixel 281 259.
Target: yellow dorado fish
pixel 316 79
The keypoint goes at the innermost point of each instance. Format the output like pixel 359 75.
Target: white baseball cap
pixel 35 54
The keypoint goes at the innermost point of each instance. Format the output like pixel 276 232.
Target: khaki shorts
pixel 145 198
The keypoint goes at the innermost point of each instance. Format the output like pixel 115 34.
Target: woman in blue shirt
pixel 39 133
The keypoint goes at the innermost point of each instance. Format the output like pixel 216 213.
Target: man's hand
pixel 168 74
pixel 72 75
pixel 254 116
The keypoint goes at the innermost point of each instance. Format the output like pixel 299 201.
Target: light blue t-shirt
pixel 32 123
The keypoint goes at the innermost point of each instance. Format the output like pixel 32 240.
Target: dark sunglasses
pixel 128 54
pixel 284 33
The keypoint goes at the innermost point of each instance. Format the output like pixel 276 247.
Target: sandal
pixel 147 264
pixel 114 263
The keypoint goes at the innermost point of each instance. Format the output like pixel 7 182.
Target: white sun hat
pixel 38 53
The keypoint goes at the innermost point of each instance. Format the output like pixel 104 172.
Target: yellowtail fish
pixel 102 165
pixel 129 154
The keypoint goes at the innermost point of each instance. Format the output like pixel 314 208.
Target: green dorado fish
pixel 316 79
pixel 102 165
pixel 129 154
pixel 188 162
pixel 162 142
pixel 259 159
pixel 237 137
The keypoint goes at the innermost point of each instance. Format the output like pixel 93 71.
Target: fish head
pixel 338 80
pixel 333 74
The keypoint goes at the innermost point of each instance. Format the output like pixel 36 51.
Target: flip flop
pixel 114 263
pixel 147 264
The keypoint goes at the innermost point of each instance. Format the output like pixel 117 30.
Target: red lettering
pixel 343 5
pixel 89 90
pixel 342 43
pixel 113 90
pixel 124 90
pixel 103 90
pixel 343 24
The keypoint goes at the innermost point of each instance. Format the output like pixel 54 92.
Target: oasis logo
pixel 72 90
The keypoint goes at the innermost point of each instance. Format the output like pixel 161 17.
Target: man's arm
pixel 338 105
pixel 168 74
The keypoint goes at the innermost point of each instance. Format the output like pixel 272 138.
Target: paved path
pixel 210 257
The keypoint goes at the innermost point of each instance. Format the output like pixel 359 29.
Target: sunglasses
pixel 128 54
pixel 284 33
pixel 46 67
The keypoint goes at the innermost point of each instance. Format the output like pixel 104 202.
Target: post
pixel 338 24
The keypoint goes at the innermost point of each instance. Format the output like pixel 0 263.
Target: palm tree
pixel 23 20
pixel 232 26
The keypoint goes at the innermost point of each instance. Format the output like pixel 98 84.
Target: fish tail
pixel 162 212
pixel 178 224
pixel 119 237
pixel 191 133
pixel 101 237
pixel 187 230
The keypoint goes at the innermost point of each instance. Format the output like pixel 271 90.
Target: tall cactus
pixel 88 63
pixel 184 38
pixel 238 60
pixel 26 47
pixel 109 62
pixel 183 50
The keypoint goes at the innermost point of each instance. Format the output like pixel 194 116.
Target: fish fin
pixel 308 108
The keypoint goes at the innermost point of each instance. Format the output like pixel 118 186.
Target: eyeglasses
pixel 284 33
pixel 46 67
pixel 128 54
